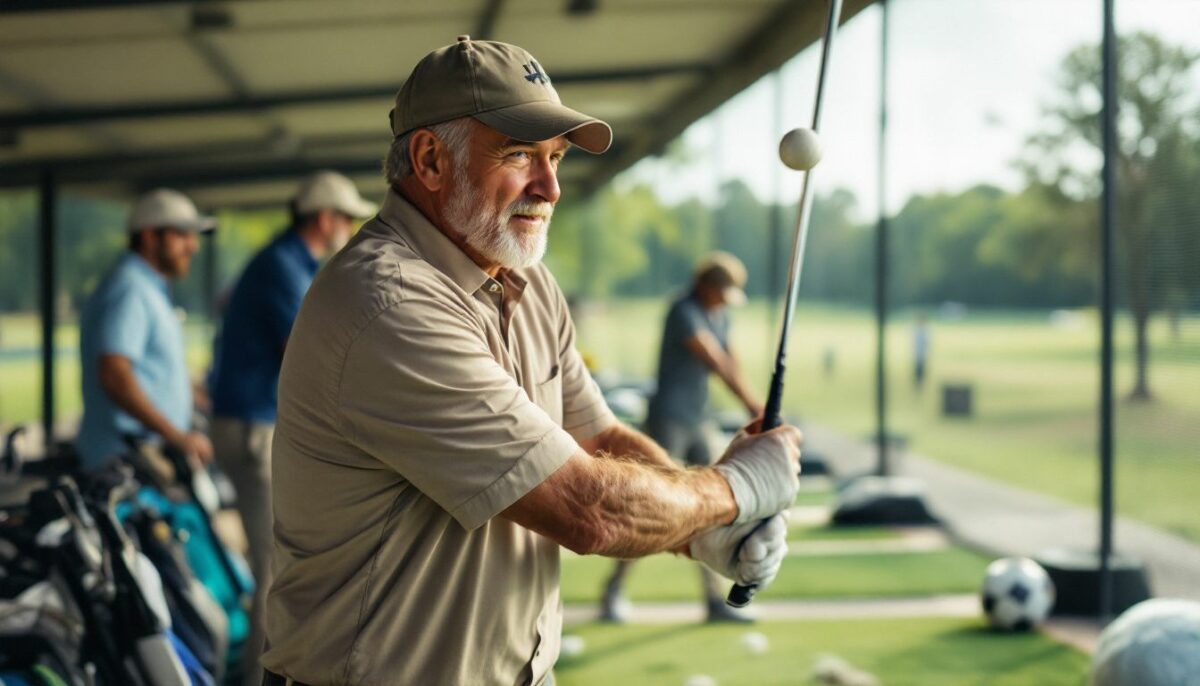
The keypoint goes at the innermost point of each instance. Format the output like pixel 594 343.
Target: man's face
pixel 175 250
pixel 503 200
pixel 338 231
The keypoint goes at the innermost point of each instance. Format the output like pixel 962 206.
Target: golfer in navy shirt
pixel 249 353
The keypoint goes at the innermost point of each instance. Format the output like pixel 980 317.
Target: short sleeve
pixel 123 324
pixel 585 413
pixel 421 392
pixel 687 320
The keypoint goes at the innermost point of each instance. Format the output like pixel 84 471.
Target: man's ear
pixel 430 160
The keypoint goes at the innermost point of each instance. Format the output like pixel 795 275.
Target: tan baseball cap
pixel 498 84
pixel 724 271
pixel 164 208
pixel 329 190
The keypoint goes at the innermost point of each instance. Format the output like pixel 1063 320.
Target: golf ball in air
pixel 800 149
pixel 572 646
pixel 754 642
pixel 700 680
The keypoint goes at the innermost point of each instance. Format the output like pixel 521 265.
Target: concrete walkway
pixel 1004 520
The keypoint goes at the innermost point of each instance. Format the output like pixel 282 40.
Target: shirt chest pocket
pixel 547 393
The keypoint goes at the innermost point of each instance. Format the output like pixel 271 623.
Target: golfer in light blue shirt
pixel 135 380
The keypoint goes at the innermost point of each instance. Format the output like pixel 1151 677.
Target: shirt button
pixel 494 287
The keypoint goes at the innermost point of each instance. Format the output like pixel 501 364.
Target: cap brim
pixel 200 224
pixel 540 121
pixel 361 209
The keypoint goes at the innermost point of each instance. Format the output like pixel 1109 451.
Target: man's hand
pixel 749 554
pixel 763 471
pixel 194 444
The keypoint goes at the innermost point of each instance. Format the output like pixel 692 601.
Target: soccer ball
pixel 1017 594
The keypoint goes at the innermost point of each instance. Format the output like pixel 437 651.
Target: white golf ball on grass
pixel 1153 643
pixel 700 680
pixel 755 643
pixel 571 646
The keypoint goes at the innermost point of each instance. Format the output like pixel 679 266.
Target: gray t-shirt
pixel 682 377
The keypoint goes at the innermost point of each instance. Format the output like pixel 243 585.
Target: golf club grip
pixel 739 595
pixel 772 409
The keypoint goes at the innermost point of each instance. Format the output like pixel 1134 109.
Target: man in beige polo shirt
pixel 438 436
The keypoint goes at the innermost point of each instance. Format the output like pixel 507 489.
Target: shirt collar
pixel 141 266
pixel 430 243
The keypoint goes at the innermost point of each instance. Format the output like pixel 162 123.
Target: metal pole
pixel 48 198
pixel 881 257
pixel 1108 119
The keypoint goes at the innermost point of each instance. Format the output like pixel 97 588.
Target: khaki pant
pixel 243 452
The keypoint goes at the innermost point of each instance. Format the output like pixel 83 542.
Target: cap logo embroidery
pixel 534 73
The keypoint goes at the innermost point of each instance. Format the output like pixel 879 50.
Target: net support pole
pixel 47 239
pixel 883 468
pixel 1108 120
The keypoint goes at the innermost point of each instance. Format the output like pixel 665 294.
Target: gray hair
pixel 454 134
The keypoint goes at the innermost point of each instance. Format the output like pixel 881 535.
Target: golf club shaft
pixel 739 595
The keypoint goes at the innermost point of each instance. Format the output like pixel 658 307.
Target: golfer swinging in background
pixel 695 343
pixel 438 437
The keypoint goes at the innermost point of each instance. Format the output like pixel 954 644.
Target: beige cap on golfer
pixel 164 208
pixel 726 272
pixel 329 190
pixel 498 84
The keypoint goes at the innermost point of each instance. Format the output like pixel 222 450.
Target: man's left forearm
pixel 624 442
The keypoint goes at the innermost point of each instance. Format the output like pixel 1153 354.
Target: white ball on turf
pixel 571 646
pixel 755 643
pixel 800 149
pixel 1017 594
pixel 700 680
pixel 1153 643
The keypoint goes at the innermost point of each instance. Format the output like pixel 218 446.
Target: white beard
pixel 486 230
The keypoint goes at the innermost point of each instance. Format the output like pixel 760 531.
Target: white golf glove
pixel 749 554
pixel 763 471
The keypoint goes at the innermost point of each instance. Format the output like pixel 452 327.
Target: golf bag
pixel 91 599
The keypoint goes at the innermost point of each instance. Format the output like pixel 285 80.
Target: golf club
pixel 739 595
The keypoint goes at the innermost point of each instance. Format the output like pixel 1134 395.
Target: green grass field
pixel 1035 394
pixel 667 578
pixel 21 365
pixel 900 652
pixel 854 533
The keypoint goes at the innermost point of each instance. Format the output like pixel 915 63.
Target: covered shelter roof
pixel 233 100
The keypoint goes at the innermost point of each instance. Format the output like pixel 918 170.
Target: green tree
pixel 1155 167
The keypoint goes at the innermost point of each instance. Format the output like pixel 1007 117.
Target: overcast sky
pixel 967 79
